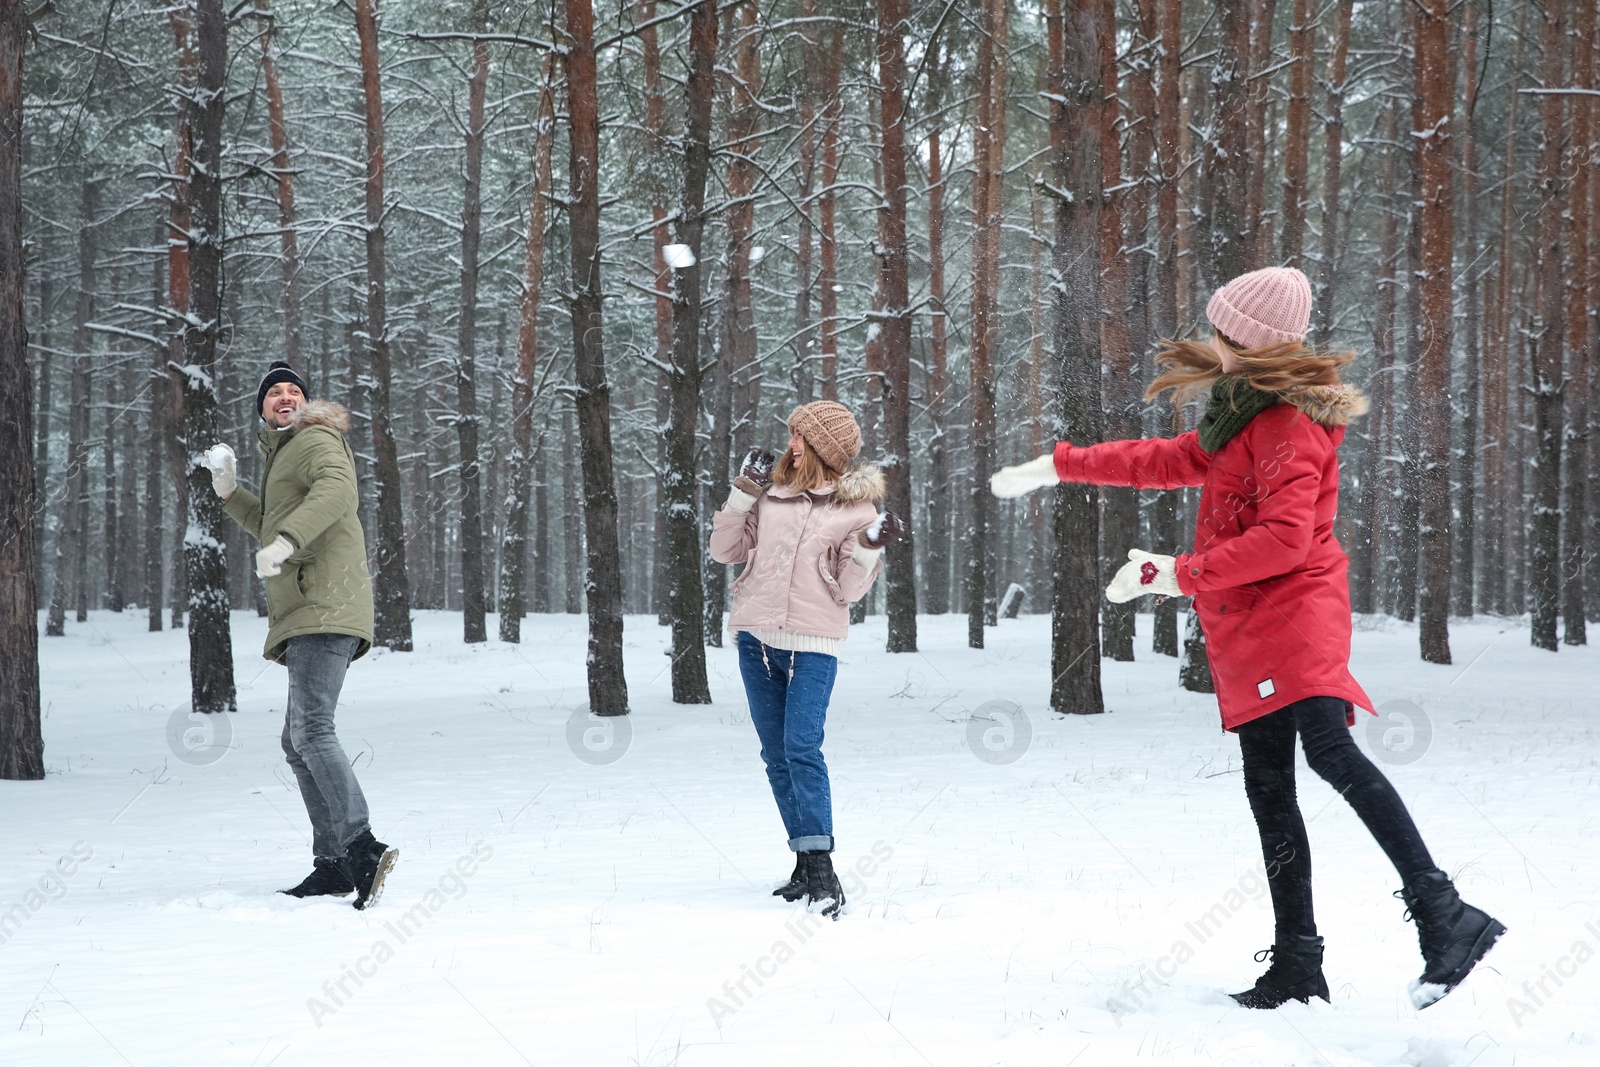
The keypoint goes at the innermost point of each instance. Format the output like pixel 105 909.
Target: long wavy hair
pixel 1189 368
pixel 804 475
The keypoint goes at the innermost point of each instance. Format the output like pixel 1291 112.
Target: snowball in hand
pixel 678 256
pixel 217 456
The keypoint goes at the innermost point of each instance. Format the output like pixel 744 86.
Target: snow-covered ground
pixel 1086 903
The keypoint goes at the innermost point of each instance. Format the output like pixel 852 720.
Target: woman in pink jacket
pixel 811 539
pixel 1268 579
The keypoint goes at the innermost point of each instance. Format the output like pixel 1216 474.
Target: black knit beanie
pixel 279 372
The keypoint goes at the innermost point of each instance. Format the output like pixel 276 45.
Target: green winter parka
pixel 308 494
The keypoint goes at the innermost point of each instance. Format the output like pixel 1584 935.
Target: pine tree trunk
pixel 608 688
pixel 1432 137
pixel 108 454
pixel 1076 100
pixel 1332 157
pixel 572 519
pixel 1257 229
pixel 805 340
pixel 542 558
pixel 901 573
pixel 679 484
pixel 71 529
pixel 1544 559
pixel 1297 136
pixel 283 174
pixel 1194 665
pixel 520 467
pixel 1499 395
pixel 988 148
pixel 210 637
pixel 154 442
pixel 391 587
pixel 1463 595
pixel 1140 121
pixel 738 313
pixel 1225 159
pixel 936 542
pixel 717 391
pixel 473 624
pixel 179 193
pixel 130 571
pixel 1575 505
pixel 660 237
pixel 1169 23
pixel 41 429
pixel 1405 395
pixel 1119 506
pixel 21 743
pixel 1035 506
pixel 1592 260
pixel 827 251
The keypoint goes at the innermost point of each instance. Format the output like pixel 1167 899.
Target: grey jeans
pixel 328 786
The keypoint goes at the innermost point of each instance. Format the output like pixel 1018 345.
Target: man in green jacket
pixel 319 613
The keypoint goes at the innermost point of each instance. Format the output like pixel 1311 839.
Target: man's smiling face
pixel 283 400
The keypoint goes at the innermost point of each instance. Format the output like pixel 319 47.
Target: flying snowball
pixel 678 257
pixel 757 254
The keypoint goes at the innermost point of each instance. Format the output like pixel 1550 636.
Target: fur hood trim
pixel 1329 405
pixel 322 413
pixel 864 481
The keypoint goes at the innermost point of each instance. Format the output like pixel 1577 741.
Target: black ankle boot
pixel 1295 974
pixel 1453 935
pixel 822 885
pixel 795 887
pixel 367 862
pixel 325 880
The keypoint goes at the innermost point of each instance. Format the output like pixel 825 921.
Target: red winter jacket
pixel 1267 574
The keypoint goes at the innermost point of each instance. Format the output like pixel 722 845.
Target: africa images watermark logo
pixel 1400 734
pixel 999 732
pixel 196 739
pixel 598 740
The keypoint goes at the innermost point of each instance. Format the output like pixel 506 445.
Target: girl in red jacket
pixel 1268 580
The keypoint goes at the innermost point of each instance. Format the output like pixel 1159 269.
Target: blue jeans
pixel 332 796
pixel 789 694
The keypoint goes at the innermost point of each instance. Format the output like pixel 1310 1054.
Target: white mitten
pixel 224 467
pixel 269 561
pixel 1024 477
pixel 1145 572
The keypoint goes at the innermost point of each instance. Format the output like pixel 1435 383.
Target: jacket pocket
pixel 744 575
pixel 1235 601
pixel 825 568
pixel 284 592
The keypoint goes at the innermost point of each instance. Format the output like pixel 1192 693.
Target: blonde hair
pixel 810 472
pixel 1287 367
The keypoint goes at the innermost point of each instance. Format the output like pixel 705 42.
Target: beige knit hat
pixel 829 428
pixel 1264 307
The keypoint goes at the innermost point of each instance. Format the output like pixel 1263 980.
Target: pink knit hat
pixel 1264 307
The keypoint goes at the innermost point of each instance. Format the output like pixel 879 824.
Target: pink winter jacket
pixel 797 548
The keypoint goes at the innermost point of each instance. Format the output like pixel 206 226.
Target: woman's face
pixel 1230 362
pixel 797 447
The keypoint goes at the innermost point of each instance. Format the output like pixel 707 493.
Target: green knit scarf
pixel 1229 409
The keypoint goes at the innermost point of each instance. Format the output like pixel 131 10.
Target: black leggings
pixel 1267 746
